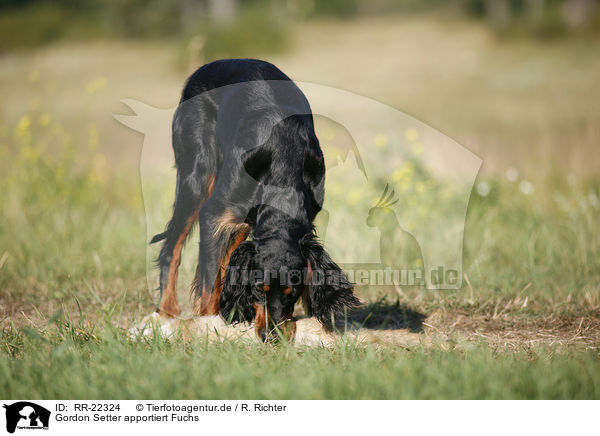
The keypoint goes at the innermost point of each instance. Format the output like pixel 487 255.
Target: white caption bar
pixel 78 417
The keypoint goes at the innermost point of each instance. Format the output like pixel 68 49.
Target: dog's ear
pixel 239 292
pixel 329 292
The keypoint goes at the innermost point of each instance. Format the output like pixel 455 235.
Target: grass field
pixel 526 323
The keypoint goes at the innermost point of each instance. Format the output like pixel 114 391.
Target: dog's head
pixel 265 279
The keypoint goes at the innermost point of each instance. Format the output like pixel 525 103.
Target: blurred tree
pixel 190 11
pixel 222 11
pixel 498 12
pixel 226 23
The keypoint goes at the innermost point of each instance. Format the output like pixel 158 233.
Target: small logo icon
pixel 26 415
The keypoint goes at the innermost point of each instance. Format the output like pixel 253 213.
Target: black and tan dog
pixel 249 166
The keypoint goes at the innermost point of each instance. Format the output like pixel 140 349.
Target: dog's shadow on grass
pixel 385 315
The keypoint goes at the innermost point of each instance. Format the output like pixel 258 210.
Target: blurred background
pixel 515 81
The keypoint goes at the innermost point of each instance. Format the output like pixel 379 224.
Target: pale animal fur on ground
pixel 309 332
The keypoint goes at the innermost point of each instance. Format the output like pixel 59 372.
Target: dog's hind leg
pixel 185 213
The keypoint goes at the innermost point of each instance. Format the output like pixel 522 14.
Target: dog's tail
pixel 159 237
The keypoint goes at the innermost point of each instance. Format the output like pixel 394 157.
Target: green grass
pixel 530 328
pixel 526 323
pixel 71 361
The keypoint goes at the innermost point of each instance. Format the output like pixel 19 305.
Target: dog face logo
pixel 26 415
pixel 422 178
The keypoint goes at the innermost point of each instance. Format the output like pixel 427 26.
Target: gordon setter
pixel 249 166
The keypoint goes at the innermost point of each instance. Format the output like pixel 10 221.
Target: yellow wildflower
pixel 404 175
pixel 23 126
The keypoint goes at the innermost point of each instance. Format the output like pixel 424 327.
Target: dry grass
pixel 531 279
pixel 519 102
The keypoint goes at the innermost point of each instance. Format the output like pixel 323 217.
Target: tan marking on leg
pixel 211 307
pixel 210 186
pixel 208 302
pixel 260 319
pixel 225 222
pixel 169 305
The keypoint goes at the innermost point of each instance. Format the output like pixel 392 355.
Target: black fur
pixel 259 146
pixel 237 303
pixel 329 291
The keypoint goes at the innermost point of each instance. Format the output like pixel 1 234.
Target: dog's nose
pixel 263 335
